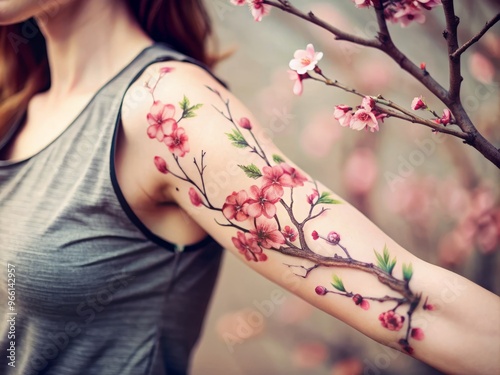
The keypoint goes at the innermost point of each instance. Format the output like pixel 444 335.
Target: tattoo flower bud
pixel 315 235
pixel 194 197
pixel 245 123
pixel 161 164
pixel 417 334
pixel 333 238
pixel 320 290
pixel 423 65
pixel 391 320
pixel 361 302
pixel 418 103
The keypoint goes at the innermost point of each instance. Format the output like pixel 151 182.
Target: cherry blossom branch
pixel 286 6
pixel 475 38
pixel 451 97
pixel 399 286
pixel 407 115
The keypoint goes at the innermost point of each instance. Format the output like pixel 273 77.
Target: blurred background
pixel 434 195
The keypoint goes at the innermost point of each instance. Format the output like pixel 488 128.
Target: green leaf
pixel 237 139
pixel 184 103
pixel 407 271
pixel 188 110
pixel 338 284
pixel 251 171
pixel 278 159
pixel 326 199
pixel 384 260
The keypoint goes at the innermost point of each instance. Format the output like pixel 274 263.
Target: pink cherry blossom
pixel 418 103
pixel 305 60
pixel 165 70
pixel 362 3
pixel 289 233
pixel 245 123
pixel 368 103
pixel 267 234
pixel 177 141
pixel 194 197
pixel 235 206
pixel 238 2
pixel 160 119
pixel 362 119
pixel 247 245
pixel 391 320
pixel 298 86
pixel 314 235
pixel 311 198
pixel 296 177
pixel 408 13
pixel 259 9
pixel 446 118
pixel 429 4
pixel 262 202
pixel 342 114
pixel 417 334
pixel 274 178
pixel 161 164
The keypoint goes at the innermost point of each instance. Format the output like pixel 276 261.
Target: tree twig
pixel 451 36
pixel 475 38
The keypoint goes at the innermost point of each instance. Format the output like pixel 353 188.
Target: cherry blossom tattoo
pixel 252 212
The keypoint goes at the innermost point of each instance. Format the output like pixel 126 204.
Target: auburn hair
pixel 24 68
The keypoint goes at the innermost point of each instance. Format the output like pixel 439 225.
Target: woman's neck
pixel 87 43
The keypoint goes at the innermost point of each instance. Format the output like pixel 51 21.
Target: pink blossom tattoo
pixel 252 212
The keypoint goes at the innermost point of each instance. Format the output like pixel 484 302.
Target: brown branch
pixel 396 285
pixel 451 36
pixel 472 137
pixel 407 115
pixel 339 34
pixel 475 38
pixel 383 36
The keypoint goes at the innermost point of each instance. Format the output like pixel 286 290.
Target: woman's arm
pixel 198 145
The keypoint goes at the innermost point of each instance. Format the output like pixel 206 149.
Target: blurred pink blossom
pixel 481 68
pixel 360 171
pixel 348 366
pixel 309 355
pixel 319 135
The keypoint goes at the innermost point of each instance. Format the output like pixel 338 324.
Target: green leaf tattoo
pixel 325 198
pixel 338 284
pixel 407 271
pixel 251 171
pixel 237 139
pixel 278 159
pixel 384 260
pixel 188 110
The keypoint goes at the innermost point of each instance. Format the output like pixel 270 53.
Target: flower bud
pixel 333 238
pixel 245 123
pixel 357 299
pixel 320 290
pixel 315 235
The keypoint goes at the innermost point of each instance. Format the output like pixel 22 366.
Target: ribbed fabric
pixel 96 293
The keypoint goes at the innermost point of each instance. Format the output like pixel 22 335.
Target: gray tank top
pixel 85 287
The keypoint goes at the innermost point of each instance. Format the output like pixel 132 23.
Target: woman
pixel 126 166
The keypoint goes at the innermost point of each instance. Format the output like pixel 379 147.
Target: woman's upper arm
pixel 203 149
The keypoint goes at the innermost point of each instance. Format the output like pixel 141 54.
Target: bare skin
pixel 462 330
